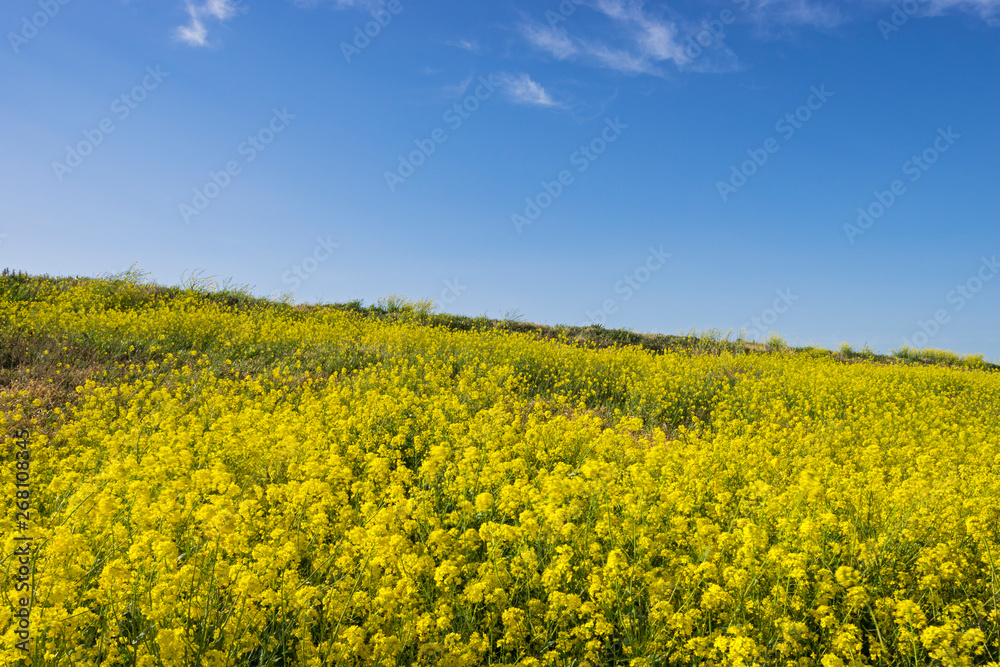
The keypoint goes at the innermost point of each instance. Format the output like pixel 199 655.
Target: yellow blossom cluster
pixel 267 485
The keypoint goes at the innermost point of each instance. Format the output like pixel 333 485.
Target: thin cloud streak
pixel 195 33
pixel 521 89
pixel 649 41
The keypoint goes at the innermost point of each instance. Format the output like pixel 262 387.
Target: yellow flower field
pixel 228 482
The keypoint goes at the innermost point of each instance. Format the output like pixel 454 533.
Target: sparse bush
pixel 776 343
pixel 513 316
pixel 397 303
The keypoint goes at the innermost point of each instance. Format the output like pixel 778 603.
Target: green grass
pixel 132 290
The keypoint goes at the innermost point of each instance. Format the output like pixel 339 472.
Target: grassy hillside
pixel 222 480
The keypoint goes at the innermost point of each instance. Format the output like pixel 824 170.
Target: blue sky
pixel 827 171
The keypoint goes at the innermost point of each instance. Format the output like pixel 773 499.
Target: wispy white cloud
pixel 552 40
pixel 341 4
pixel 656 38
pixel 521 89
pixel 469 45
pixel 201 14
pixel 622 60
pixel 458 89
pixel 195 31
pixel 639 37
pixel 647 40
pixel 987 9
pixel 780 14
